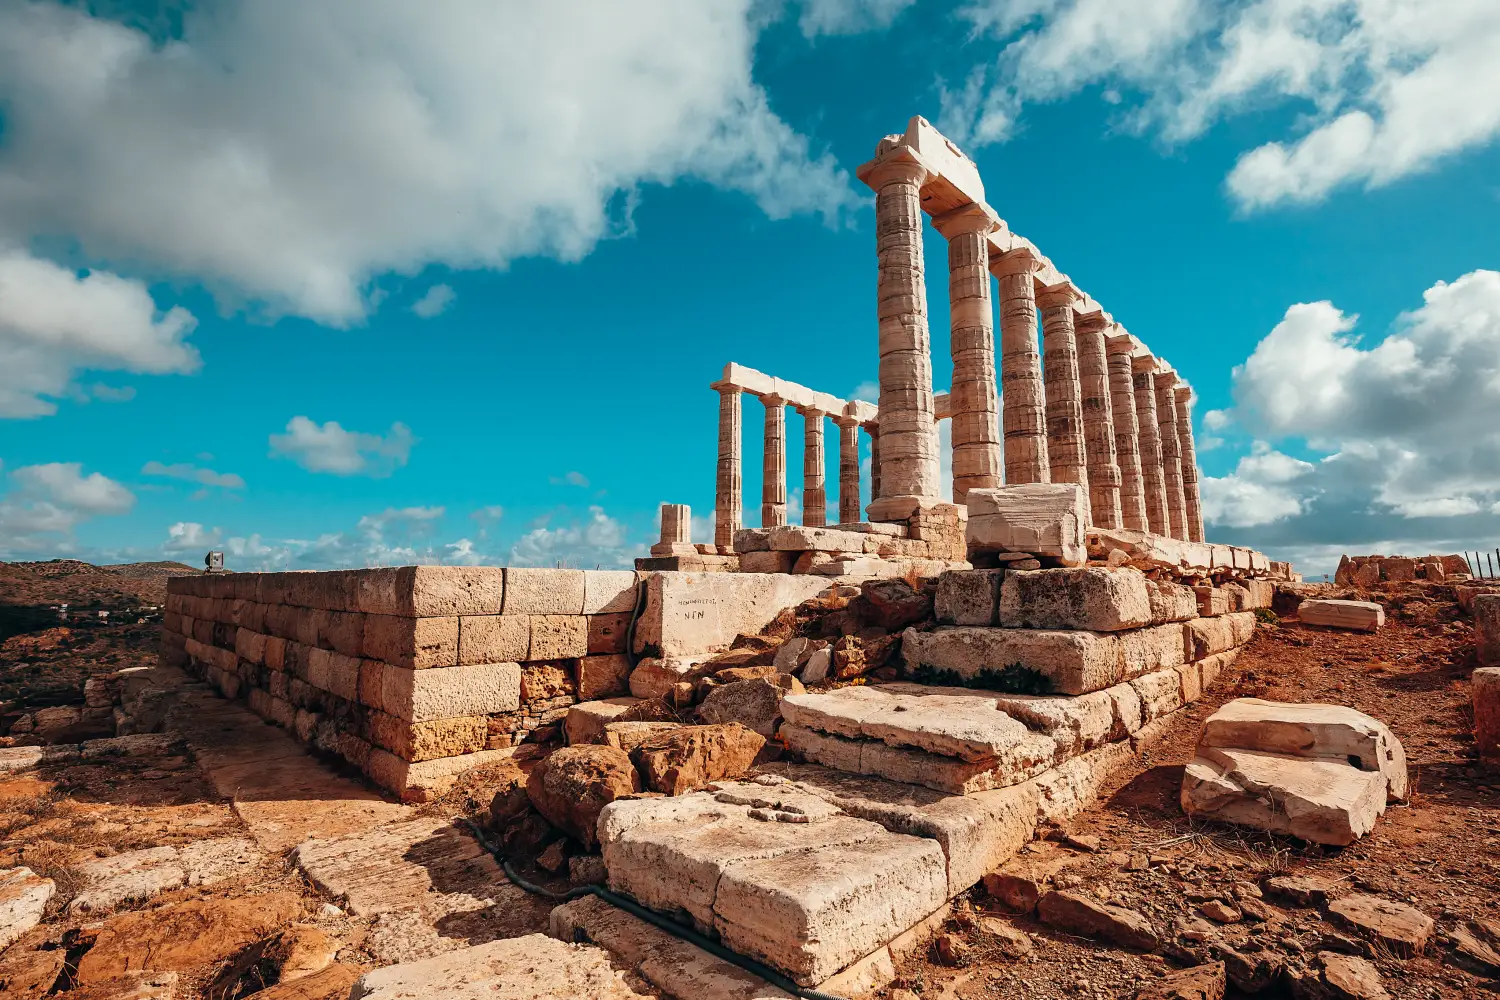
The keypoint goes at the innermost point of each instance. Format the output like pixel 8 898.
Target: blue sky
pixel 350 283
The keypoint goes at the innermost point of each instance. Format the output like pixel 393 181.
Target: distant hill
pixel 84 585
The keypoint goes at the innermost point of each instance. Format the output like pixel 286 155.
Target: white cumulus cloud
pixel 435 302
pixel 45 503
pixel 190 473
pixel 598 540
pixel 328 447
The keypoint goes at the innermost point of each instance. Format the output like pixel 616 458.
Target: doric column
pixel 1171 453
pixel 1023 409
pixel 908 453
pixel 676 531
pixel 1142 366
pixel 848 470
pixel 1193 503
pixel 875 485
pixel 1065 452
pixel 814 493
pixel 773 483
pixel 730 485
pixel 1098 420
pixel 1127 434
pixel 974 399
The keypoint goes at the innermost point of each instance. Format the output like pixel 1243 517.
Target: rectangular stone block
pixel 1213 601
pixel 414 643
pixel 493 638
pixel 424 780
pixel 544 591
pixel 558 637
pixel 1361 616
pixel 429 591
pixel 340 631
pixel 609 591
pixel 1155 648
pixel 1171 602
pixel 449 692
pixel 1092 598
pixel 334 672
pixel 968 597
pixel 609 633
pixel 694 613
pixel 767 562
pixel 1073 786
pixel 1207 636
pixel 797 538
pixel 951 775
pixel 250 645
pixel 372 683
pixel 1160 692
pixel 275 653
pixel 603 676
pixel 1069 662
pixel 1044 519
pixel 585 723
pixel 419 741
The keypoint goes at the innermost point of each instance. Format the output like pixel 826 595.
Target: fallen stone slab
pixel 1201 982
pixel 329 983
pixel 688 757
pixel 1043 519
pixel 1318 800
pixel 23 899
pixel 697 613
pixel 916 767
pixel 533 967
pixel 1310 730
pixel 136 876
pixel 1077 914
pixel 788 880
pixel 1361 616
pixel 1091 598
pixel 1333 975
pixel 1403 929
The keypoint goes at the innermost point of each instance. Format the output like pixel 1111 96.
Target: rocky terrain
pixel 173 873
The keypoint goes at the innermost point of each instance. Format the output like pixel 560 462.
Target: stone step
pixel 778 874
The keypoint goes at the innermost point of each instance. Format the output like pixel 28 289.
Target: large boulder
pixel 754 703
pixel 571 786
pixel 692 756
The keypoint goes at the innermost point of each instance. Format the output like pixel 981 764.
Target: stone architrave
pixel 1192 501
pixel 814 462
pixel 848 470
pixel 1127 434
pixel 730 484
pixel 1171 453
pixel 1065 451
pixel 1023 407
pixel 773 485
pixel 1098 420
pixel 1143 368
pixel 975 398
pixel 908 430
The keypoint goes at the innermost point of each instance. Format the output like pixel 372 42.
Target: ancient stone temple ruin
pixel 1046 621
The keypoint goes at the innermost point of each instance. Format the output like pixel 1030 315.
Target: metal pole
pixel 1492 565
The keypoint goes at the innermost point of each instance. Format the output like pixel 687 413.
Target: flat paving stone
pixel 534 967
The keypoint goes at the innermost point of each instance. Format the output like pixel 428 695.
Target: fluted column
pixel 875 485
pixel 814 462
pixel 1171 453
pixel 1127 433
pixel 773 484
pixel 1022 402
pixel 848 470
pixel 1192 502
pixel 975 400
pixel 1141 367
pixel 1098 420
pixel 1065 451
pixel 908 453
pixel 729 486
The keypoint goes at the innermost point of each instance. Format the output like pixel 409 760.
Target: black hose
pixel 658 920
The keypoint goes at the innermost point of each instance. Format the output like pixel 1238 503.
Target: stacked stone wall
pixel 411 674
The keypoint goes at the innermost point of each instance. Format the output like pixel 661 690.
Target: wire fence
pixel 1483 565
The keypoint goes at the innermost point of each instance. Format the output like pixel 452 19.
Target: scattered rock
pixel 1015 893
pixel 1201 982
pixel 1083 842
pixel 692 756
pixel 30 975
pixel 574 783
pixel 817 667
pixel 1333 976
pixel 755 703
pixel 553 859
pixel 1078 914
pixel 1220 912
pixel 630 735
pixel 180 937
pixel 1401 928
pixel 951 950
pixel 510 801
pixel 1249 973
pixel 894 604
pixel 1007 939
pixel 23 898
pixel 1303 890
pixel 146 985
pixel 332 983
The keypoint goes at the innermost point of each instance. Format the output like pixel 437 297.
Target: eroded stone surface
pixel 1047 519
pixel 533 967
pixel 23 898
pixel 1069 662
pixel 1324 801
pixel 1092 598
pixel 1362 616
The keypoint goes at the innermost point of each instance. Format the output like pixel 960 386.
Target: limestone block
pixel 695 613
pixel 1160 693
pixel 414 643
pixel 586 721
pixel 603 676
pixel 340 631
pixel 1485 698
pixel 1070 662
pixel 952 775
pixel 748 540
pixel 1146 550
pixel 1076 724
pixel 23 898
pixel 798 538
pixel 1128 715
pixel 1092 598
pixel 558 637
pixel 1212 601
pixel 1486 611
pixel 1044 519
pixel 609 591
pixel 419 741
pixel 767 562
pixel 667 678
pixel 1207 636
pixel 1310 730
pixel 1072 786
pixel 1171 602
pixel 425 591
pixel 1319 800
pixel 631 736
pixel 1210 667
pixel 334 672
pixel 250 645
pixel 609 633
pixel 1362 616
pixel 1259 594
pixel 544 591
pixel 968 597
pixel 1192 682
pixel 425 780
pixel 493 638
pixel 522 967
pixel 449 692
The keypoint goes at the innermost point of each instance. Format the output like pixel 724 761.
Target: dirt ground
pixel 1437 853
